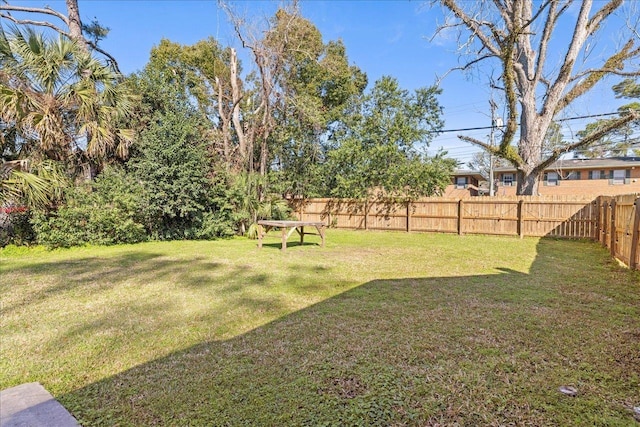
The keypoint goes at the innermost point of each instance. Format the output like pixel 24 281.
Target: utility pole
pixel 492 189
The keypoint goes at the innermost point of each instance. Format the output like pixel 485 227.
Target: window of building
pixel 573 175
pixel 508 179
pixel 619 177
pixel 461 182
pixel 551 178
pixel 597 175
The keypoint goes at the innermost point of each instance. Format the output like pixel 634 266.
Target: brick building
pixel 603 176
pixel 466 183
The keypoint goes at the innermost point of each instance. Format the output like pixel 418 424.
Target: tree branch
pixel 589 139
pixel 611 66
pixel 43 10
pixel 30 22
pixel 549 25
pixel 607 71
pixel 511 157
pixel 509 78
pixel 502 10
pixel 111 59
pixel 474 141
pixel 602 14
pixel 49 11
pixel 578 38
pixel 462 68
pixel 473 25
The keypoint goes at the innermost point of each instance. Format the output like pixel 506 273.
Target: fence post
pixel 635 237
pixel 605 223
pixel 520 218
pixel 612 229
pixel 460 217
pixel 366 214
pixel 598 219
pixel 408 216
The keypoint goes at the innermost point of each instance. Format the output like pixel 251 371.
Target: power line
pixel 559 120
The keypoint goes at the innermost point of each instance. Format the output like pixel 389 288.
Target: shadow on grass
pixel 474 350
pixel 290 244
pixel 93 275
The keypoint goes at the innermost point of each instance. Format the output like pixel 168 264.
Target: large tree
pixel 520 36
pixel 298 87
pixel 58 102
pixel 199 75
pixel 380 149
pixel 316 87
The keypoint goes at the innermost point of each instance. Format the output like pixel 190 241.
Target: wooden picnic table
pixel 288 227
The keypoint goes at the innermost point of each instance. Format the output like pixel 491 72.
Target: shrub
pixel 15 228
pixel 104 212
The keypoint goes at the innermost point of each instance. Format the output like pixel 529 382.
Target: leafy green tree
pixel 620 141
pixel 192 71
pixel 380 148
pixel 317 85
pixel 171 163
pixel 58 102
pixel 204 75
pixel 300 85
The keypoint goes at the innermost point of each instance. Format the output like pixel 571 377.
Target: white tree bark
pixel 518 33
pixel 236 97
pixel 267 61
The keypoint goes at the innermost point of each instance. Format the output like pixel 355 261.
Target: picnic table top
pixel 283 223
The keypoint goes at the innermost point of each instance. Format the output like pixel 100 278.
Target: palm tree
pixel 24 184
pixel 59 101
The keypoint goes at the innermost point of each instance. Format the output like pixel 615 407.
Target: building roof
pixel 599 163
pixel 467 172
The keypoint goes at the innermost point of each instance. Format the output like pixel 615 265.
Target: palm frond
pixel 32 185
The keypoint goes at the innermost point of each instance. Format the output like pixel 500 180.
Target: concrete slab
pixel 30 405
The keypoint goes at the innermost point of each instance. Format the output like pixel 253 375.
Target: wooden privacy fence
pixel 620 227
pixel 614 221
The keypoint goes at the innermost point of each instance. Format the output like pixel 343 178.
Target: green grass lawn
pixel 373 329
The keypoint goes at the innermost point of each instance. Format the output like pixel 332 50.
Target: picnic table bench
pixel 288 227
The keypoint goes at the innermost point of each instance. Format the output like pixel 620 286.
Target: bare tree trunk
pixel 224 118
pixel 71 21
pixel 527 183
pixel 264 154
pixel 236 97
pixel 266 59
pixel 75 24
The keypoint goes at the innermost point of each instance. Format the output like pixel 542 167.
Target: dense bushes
pixel 103 212
pixel 15 227
pixel 112 209
pixel 166 191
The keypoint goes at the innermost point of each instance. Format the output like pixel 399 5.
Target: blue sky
pixel 381 37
